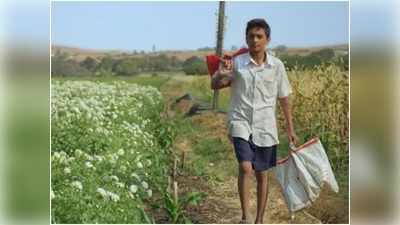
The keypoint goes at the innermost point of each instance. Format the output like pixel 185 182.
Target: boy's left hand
pixel 230 138
pixel 292 137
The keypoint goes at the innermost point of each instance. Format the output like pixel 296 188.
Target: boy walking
pixel 257 80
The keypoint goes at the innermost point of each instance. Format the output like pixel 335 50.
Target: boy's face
pixel 256 39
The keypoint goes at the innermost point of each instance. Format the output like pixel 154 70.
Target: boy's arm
pixel 285 105
pixel 221 79
pixel 284 90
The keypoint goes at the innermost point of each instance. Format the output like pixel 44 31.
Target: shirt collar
pixel 269 60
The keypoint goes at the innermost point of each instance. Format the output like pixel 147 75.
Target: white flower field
pixel 107 157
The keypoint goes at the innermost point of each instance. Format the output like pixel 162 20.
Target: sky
pixel 192 25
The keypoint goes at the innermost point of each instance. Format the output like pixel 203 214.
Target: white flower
pixel 113 161
pixel 63 154
pixel 99 158
pixel 70 159
pixel 88 164
pixel 135 176
pixel 145 185
pixel 75 109
pixel 115 178
pixel 77 184
pixel 114 197
pixel 52 195
pixel 62 157
pixel 67 170
pixel 139 165
pixel 102 192
pixel 120 184
pixel 133 188
pixel 89 157
pixel 121 152
pixel 123 168
pixel 108 194
pixel 56 155
pixel 113 158
pixel 78 152
pixel 149 192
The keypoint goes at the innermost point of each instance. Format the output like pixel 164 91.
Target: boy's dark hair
pixel 258 22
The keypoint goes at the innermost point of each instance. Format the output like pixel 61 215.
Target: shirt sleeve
pixel 284 87
pixel 235 62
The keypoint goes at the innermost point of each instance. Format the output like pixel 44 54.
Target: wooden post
pixel 174 170
pixel 175 191
pixel 169 184
pixel 219 48
pixel 183 160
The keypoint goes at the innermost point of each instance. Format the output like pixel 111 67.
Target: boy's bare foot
pixel 245 221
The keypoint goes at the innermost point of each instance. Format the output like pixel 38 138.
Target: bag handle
pixel 292 146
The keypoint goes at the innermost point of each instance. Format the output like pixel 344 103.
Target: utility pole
pixel 219 48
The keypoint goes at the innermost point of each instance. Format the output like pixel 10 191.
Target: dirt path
pixel 222 205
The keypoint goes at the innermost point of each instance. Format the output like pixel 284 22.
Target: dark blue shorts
pixel 262 158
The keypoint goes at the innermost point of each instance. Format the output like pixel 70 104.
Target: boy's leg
pixel 245 171
pixel 265 158
pixel 262 194
pixel 244 154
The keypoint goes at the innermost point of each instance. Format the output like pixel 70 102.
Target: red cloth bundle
pixel 213 61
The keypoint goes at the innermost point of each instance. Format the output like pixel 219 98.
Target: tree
pixel 62 67
pixel 106 64
pixel 280 48
pixel 89 63
pixel 325 54
pixel 206 49
pixel 302 62
pixel 175 62
pixel 126 67
pixel 194 66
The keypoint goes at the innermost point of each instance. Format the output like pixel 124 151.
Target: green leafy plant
pixel 176 208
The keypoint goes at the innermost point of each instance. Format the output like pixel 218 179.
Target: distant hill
pixel 80 54
pixel 307 50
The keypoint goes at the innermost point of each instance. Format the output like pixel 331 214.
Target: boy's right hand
pixel 226 67
pixel 228 64
pixel 224 75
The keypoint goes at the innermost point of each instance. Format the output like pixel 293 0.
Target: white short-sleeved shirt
pixel 254 91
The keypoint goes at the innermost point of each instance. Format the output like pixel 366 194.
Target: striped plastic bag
pixel 303 173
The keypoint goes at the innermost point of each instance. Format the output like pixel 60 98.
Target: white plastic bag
pixel 303 173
